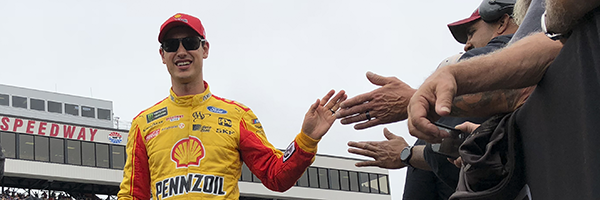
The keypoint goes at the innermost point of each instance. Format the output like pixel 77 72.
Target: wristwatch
pixel 406 154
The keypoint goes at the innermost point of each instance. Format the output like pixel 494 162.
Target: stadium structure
pixel 71 145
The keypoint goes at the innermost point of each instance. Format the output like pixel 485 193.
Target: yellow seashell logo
pixel 187 152
pixel 177 16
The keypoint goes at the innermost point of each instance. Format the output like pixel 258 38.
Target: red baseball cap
pixel 181 19
pixel 459 28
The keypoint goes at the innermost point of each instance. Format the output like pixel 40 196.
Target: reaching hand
pixel 386 104
pixel 457 162
pixel 385 153
pixel 432 100
pixel 466 127
pixel 321 115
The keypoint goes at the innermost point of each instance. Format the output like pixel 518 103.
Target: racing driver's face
pixel 184 63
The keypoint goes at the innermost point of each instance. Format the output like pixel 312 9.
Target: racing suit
pixel 190 147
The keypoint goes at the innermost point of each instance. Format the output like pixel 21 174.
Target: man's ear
pixel 503 24
pixel 205 48
pixel 162 55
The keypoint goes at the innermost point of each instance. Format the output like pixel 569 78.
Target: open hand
pixel 321 114
pixel 386 153
pixel 386 104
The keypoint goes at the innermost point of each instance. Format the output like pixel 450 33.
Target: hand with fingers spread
pixel 386 153
pixel 321 114
pixel 383 105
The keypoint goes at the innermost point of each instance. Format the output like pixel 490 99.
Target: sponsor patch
pixel 181 125
pixel 157 114
pixel 115 138
pixel 201 128
pixel 289 151
pixel 153 125
pixel 174 118
pixel 167 128
pixel 184 155
pixel 261 132
pixel 152 134
pixel 224 122
pixel 200 115
pixel 226 131
pixel 255 121
pixel 196 127
pixel 192 183
pixel 206 96
pixel 216 110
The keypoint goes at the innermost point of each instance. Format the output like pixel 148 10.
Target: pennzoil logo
pixel 192 183
pixel 187 152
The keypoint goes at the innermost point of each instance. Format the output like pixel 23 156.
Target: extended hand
pixel 321 115
pixel 386 104
pixel 385 153
pixel 432 100
pixel 466 127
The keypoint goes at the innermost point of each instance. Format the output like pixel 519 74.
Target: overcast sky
pixel 274 56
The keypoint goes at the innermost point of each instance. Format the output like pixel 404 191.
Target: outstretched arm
pixel 386 154
pixel 519 65
pixel 386 104
pixel 279 171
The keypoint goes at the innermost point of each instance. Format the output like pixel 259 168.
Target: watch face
pixel 405 153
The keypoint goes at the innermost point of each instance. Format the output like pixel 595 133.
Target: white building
pixel 60 142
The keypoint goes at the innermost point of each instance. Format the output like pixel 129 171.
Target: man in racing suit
pixel 192 144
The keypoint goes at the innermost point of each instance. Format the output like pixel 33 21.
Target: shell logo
pixel 187 152
pixel 177 16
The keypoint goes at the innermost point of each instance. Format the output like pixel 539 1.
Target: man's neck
pixel 191 88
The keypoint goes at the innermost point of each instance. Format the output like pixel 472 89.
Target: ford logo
pixel 216 110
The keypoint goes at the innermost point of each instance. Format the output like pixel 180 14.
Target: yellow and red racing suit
pixel 190 147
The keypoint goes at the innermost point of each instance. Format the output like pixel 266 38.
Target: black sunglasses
pixel 189 43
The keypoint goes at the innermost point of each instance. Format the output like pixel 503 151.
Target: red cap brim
pixel 459 28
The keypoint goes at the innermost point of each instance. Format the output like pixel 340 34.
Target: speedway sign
pixel 59 130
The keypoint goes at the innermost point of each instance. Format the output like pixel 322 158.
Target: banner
pixel 43 128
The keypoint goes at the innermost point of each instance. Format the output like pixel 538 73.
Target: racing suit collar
pixel 191 100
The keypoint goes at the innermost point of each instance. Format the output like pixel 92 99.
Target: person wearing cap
pixel 559 123
pixel 388 104
pixel 191 145
pixel 481 35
